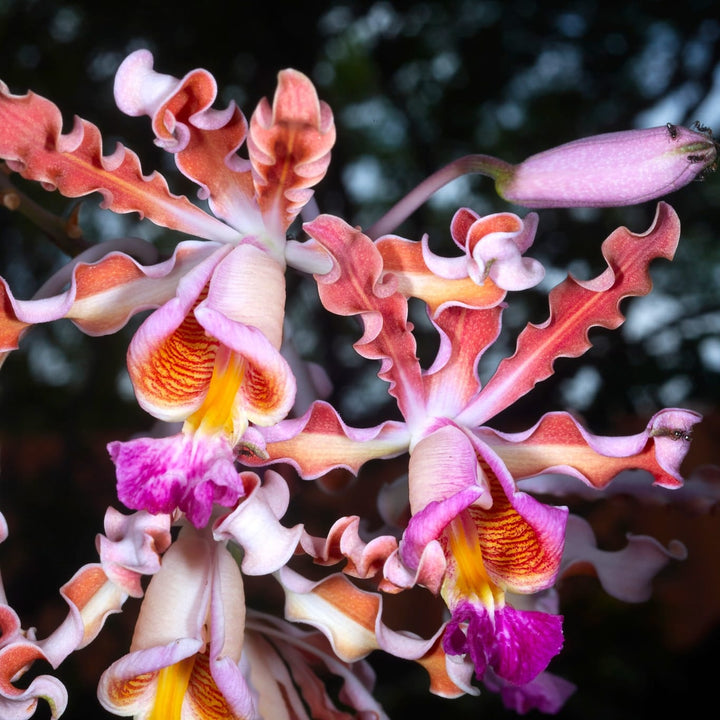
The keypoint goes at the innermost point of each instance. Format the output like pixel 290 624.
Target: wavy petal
pixel 452 380
pixel 626 574
pixel 91 597
pixel 31 142
pixel 494 245
pixel 516 644
pixel 184 471
pixel 349 617
pixel 355 286
pixel 131 547
pixel 319 441
pixel 289 147
pixel 255 525
pixel 559 443
pixel 203 140
pixel 102 295
pixel 343 542
pixel 575 307
pixel 440 282
pixel 21 703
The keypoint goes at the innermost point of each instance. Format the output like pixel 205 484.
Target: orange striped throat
pixel 467 578
pixel 220 411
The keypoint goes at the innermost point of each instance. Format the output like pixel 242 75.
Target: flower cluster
pixel 464 524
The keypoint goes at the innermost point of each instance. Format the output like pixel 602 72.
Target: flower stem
pixel 483 164
pixel 65 234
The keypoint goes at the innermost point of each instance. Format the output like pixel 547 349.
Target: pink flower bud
pixel 621 168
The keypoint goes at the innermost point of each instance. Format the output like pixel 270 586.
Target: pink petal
pixel 289 147
pixel 494 245
pixel 559 443
pixel 267 392
pixel 465 334
pixel 132 547
pixel 521 538
pixel 254 525
pixel 248 286
pixel 575 307
pixel 516 644
pixel 103 294
pixel 31 142
pixel 546 693
pixel 203 140
pixel 355 286
pixel 443 468
pixel 626 574
pixel 439 281
pixel 320 441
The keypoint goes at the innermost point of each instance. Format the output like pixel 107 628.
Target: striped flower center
pixel 219 411
pixel 470 579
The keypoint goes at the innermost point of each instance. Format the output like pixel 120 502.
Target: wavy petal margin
pixel 575 307
pixel 203 140
pixel 356 286
pixel 103 295
pixel 433 279
pixel 351 619
pixel 132 546
pixel 626 574
pixel 255 525
pixel 289 147
pixel 465 334
pixel 558 443
pixel 31 142
pixel 320 441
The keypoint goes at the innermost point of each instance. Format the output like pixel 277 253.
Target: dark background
pixel 412 86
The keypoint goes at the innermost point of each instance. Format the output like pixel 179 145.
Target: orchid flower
pixel 192 654
pixel 209 356
pixel 473 535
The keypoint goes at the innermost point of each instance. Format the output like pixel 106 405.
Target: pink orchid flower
pixel 473 535
pixel 209 356
pixel 188 656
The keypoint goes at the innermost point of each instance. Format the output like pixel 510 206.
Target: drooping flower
pixel 185 651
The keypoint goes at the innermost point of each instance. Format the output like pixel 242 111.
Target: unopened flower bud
pixel 622 168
